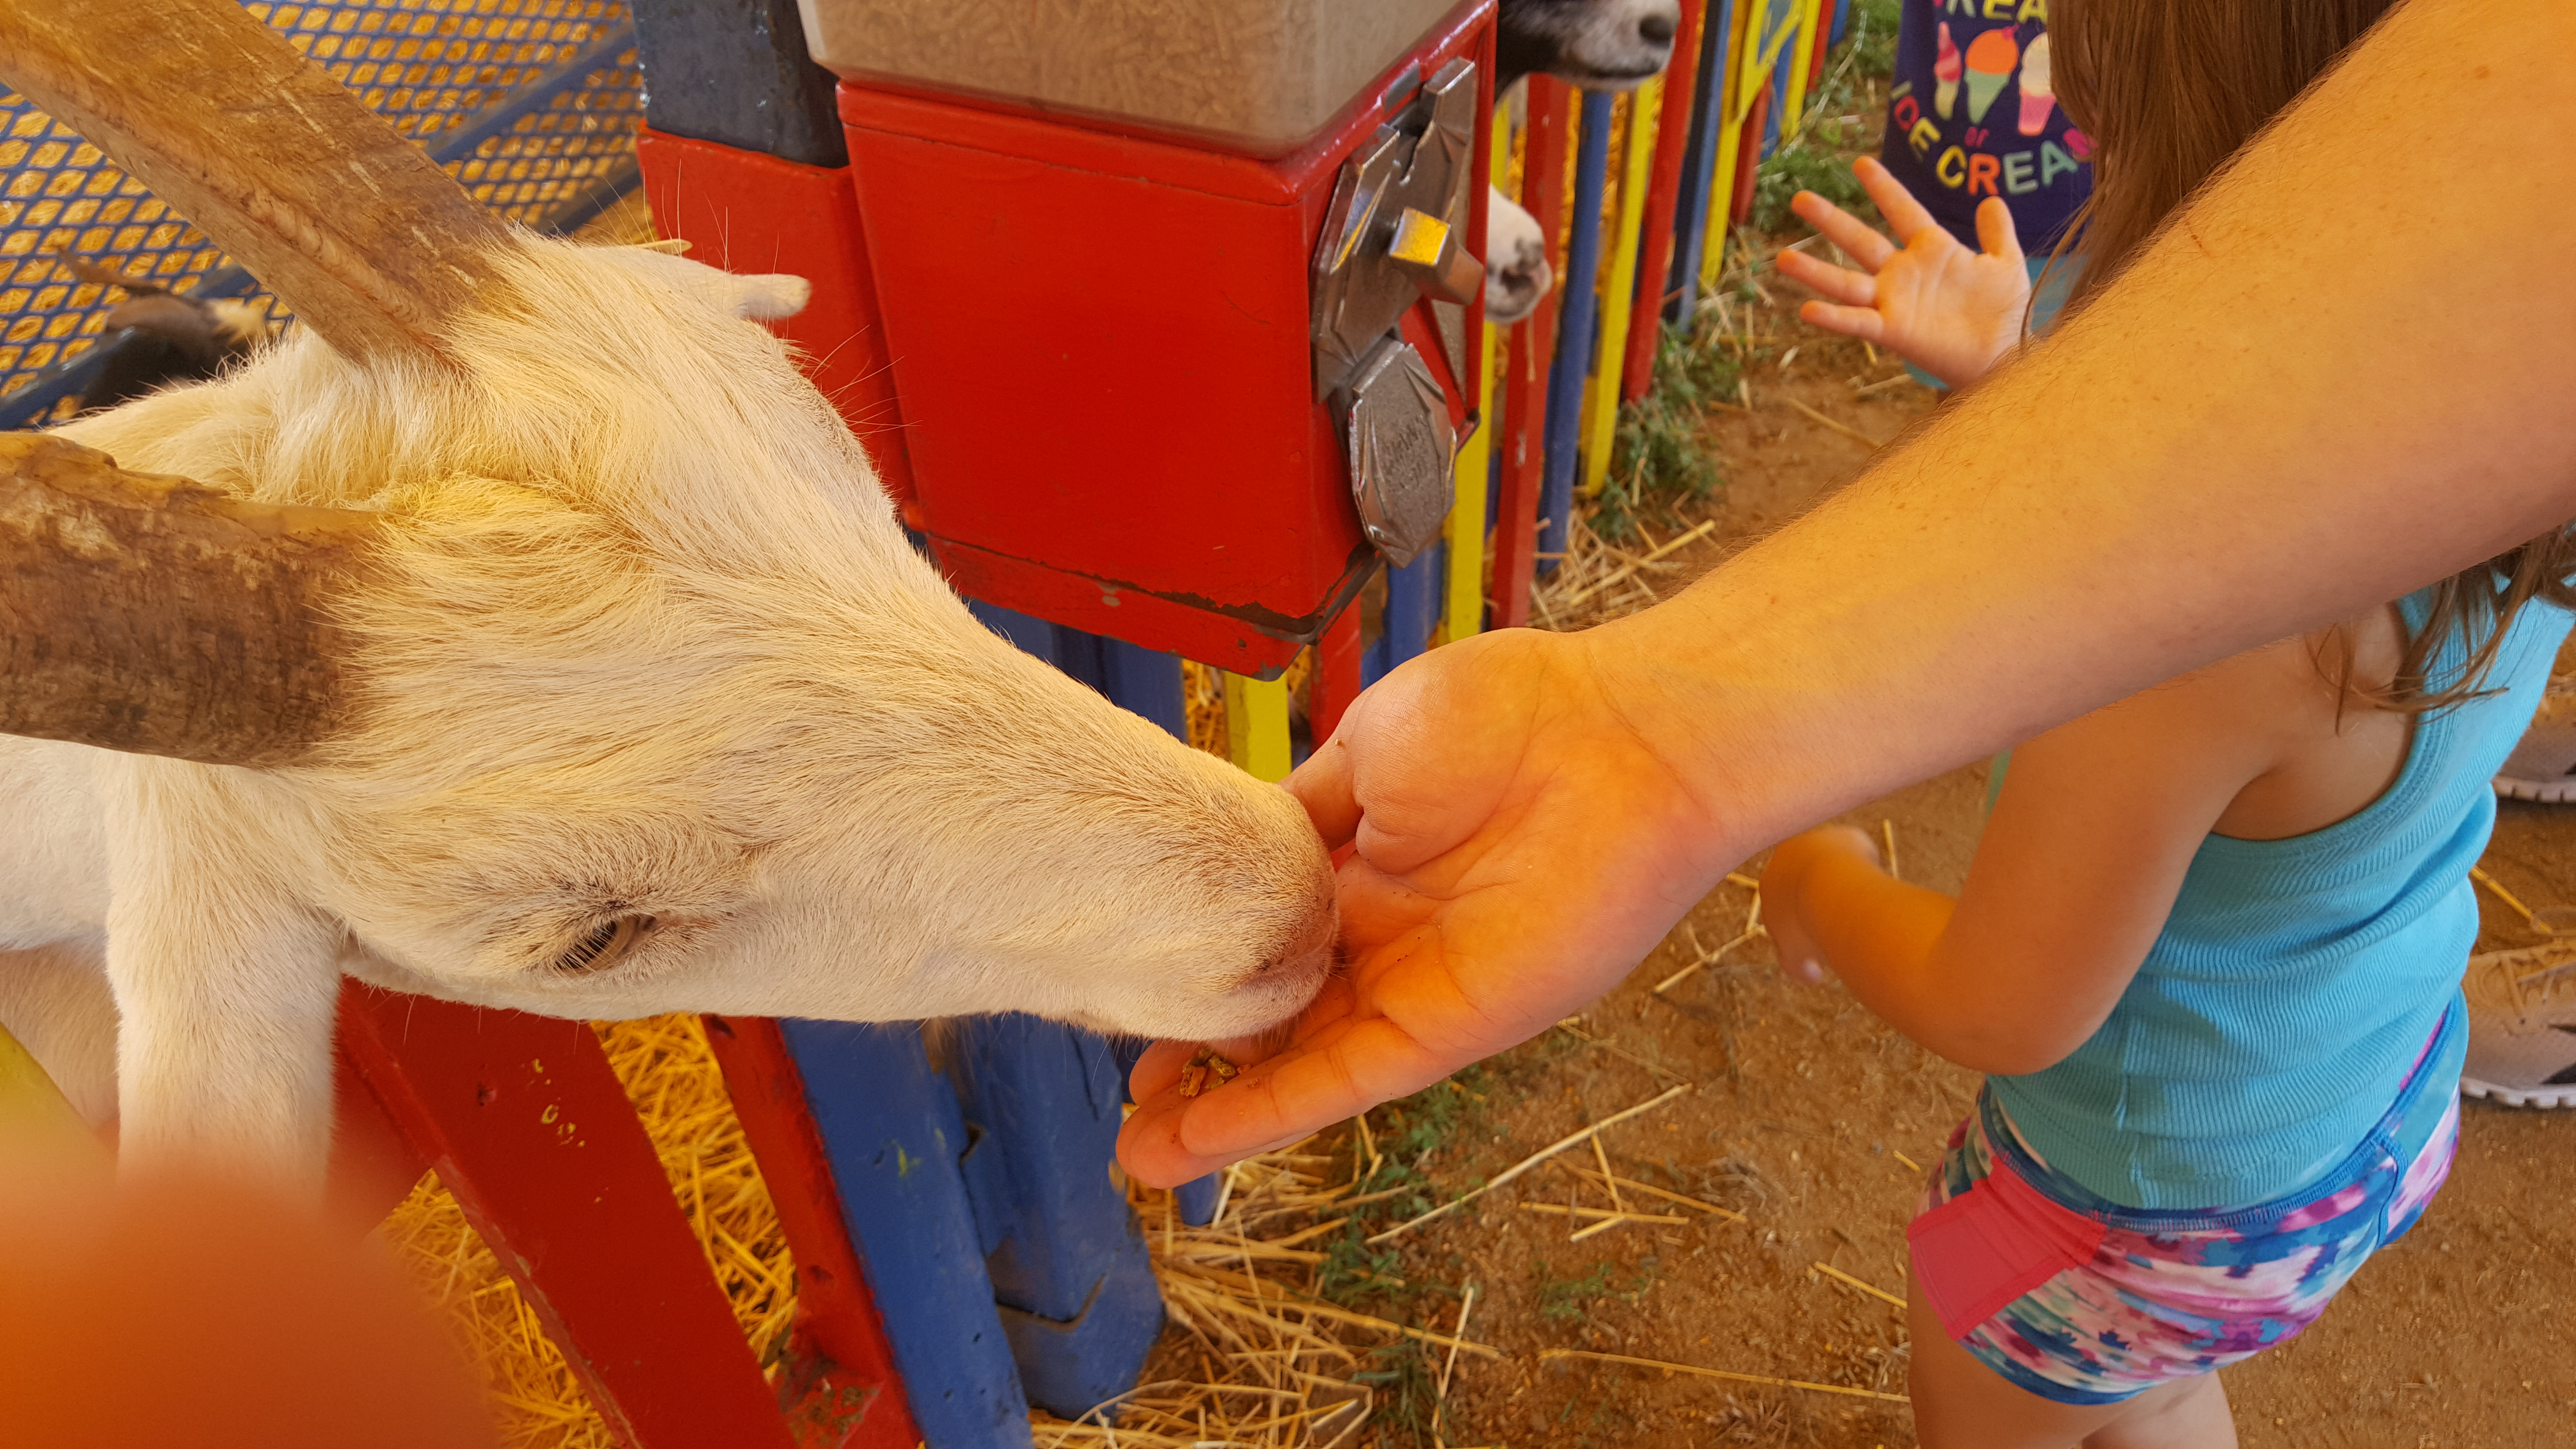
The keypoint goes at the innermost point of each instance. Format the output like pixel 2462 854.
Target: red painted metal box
pixel 1103 339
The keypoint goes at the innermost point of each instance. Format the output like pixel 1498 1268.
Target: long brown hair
pixel 2167 91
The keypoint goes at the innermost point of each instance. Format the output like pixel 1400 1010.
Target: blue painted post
pixel 1842 22
pixel 1786 83
pixel 1574 328
pixel 1699 165
pixel 895 1137
pixel 1008 1266
pixel 1033 635
pixel 1412 608
pixel 1068 1267
pixel 1145 681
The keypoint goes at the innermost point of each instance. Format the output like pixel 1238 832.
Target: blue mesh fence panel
pixel 532 105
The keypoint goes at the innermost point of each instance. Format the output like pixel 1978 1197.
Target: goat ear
pixel 147 613
pixel 354 227
pixel 770 296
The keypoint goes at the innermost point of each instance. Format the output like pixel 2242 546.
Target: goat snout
pixel 1516 270
pixel 1596 44
pixel 1310 950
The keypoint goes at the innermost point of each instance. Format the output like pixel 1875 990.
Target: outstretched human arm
pixel 2078 866
pixel 2338 375
pixel 1951 311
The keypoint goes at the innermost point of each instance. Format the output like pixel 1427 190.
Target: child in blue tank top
pixel 2210 948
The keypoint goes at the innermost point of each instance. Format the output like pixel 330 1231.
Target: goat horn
pixel 354 227
pixel 148 613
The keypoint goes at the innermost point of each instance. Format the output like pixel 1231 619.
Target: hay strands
pixel 2530 917
pixel 1271 1295
pixel 1620 1214
pixel 1632 1185
pixel 1572 1027
pixel 1579 594
pixel 1546 1354
pixel 1440 1400
pixel 1533 1160
pixel 1198 1246
pixel 1846 429
pixel 1711 958
pixel 1873 1290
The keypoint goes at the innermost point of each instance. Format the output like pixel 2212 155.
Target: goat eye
pixel 603 948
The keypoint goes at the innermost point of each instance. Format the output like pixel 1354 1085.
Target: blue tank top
pixel 2298 980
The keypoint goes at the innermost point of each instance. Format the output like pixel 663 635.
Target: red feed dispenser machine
pixel 1177 295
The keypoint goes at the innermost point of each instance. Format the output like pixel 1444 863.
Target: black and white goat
pixel 1600 45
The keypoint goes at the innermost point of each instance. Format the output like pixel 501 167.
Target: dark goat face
pixel 1600 45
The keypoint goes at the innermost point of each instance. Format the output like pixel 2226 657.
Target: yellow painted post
pixel 1463 612
pixel 33 1111
pixel 1733 96
pixel 1601 392
pixel 1256 725
pixel 1810 15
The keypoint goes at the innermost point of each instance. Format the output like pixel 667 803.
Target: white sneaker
pixel 2522 1026
pixel 2543 766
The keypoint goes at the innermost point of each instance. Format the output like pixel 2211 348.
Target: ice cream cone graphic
pixel 1990 66
pixel 2037 100
pixel 1945 70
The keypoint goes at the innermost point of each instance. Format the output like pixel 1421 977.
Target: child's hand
pixel 1783 913
pixel 1948 310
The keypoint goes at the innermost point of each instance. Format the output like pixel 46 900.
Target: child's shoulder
pixel 2262 745
pixel 2270 698
pixel 2294 721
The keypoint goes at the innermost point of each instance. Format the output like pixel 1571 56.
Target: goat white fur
pixel 1517 275
pixel 646 642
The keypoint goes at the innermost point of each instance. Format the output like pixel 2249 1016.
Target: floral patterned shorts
pixel 2087 1302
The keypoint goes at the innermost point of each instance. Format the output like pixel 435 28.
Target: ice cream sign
pixel 1968 137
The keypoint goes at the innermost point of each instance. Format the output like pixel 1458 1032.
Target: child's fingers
pixel 1859 241
pixel 1860 322
pixel 1905 216
pixel 1837 284
pixel 1996 235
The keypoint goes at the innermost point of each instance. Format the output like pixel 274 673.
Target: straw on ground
pixel 1846 429
pixel 1872 1290
pixel 1533 1160
pixel 1547 1354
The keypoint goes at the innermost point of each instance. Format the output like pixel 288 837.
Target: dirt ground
pixel 1813 1120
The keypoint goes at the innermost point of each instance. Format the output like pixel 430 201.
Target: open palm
pixel 1517 852
pixel 1948 310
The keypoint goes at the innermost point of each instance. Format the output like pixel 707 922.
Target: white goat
pixel 646 705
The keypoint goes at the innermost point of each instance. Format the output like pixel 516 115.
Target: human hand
pixel 1783 907
pixel 1950 311
pixel 1520 846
